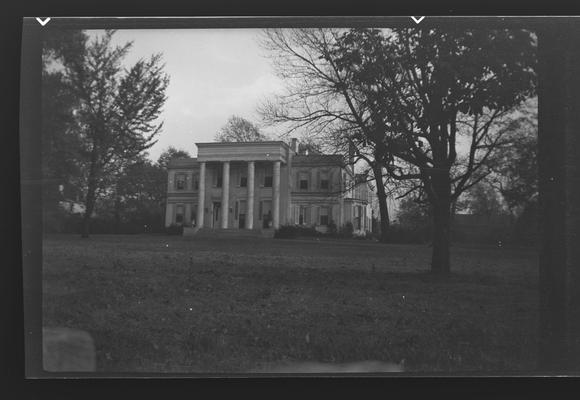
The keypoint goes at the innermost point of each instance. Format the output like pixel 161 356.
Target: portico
pixel 247 181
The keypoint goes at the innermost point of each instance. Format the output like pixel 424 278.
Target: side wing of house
pixel 182 192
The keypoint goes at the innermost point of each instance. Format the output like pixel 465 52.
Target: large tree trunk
pixel 441 214
pixel 382 197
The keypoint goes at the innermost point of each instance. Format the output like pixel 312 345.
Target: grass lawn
pixel 183 304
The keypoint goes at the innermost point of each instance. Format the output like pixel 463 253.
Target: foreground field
pixel 174 304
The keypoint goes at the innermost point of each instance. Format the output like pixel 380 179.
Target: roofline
pixel 204 144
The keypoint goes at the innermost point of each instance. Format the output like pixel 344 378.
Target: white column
pixel 225 194
pixel 276 196
pixel 250 202
pixel 201 196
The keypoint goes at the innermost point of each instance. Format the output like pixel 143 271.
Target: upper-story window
pixel 195 180
pixel 218 177
pixel 324 181
pixel 268 176
pixel 180 179
pixel 243 180
pixel 303 181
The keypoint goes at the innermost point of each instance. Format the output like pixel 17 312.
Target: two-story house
pixel 263 185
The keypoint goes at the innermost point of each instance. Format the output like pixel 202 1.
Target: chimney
pixel 294 145
pixel 351 154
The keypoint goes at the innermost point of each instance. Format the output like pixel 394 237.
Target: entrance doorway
pixel 216 214
pixel 242 215
pixel 266 213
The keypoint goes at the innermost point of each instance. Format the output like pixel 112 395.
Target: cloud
pixel 214 73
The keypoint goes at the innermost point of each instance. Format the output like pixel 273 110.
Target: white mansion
pixel 263 185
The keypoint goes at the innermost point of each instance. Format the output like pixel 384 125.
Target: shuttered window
pixel 324 181
pixel 305 216
pixel 303 181
pixel 180 179
pixel 218 176
pixel 179 213
pixel 324 217
pixel 268 176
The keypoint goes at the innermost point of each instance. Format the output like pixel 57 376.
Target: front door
pixel 266 214
pixel 242 214
pixel 216 214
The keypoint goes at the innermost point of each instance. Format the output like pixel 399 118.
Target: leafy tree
pixel 116 114
pixel 169 154
pixel 482 200
pixel 424 88
pixel 140 195
pixel 410 95
pixel 60 143
pixel 515 165
pixel 238 129
pixel 413 213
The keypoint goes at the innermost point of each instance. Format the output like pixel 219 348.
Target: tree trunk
pixel 117 215
pixel 441 214
pixel 382 197
pixel 91 192
pixel 89 207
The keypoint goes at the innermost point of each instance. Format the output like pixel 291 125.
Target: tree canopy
pixel 238 129
pixel 116 109
pixel 169 154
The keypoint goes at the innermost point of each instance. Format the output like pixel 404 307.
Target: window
pixel 244 181
pixel 193 217
pixel 303 181
pixel 180 181
pixel 324 216
pixel 268 176
pixel 358 215
pixel 324 184
pixel 218 177
pixel 195 180
pixel 179 213
pixel 304 215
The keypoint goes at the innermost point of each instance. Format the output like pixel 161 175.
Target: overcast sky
pixel 214 73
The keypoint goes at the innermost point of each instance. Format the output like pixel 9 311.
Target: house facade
pixel 263 185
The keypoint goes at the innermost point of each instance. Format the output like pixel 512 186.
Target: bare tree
pixel 316 100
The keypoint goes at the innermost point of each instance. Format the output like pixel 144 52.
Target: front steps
pixel 230 232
